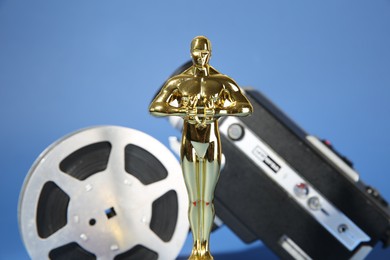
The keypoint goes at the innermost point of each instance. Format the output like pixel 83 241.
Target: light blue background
pixel 65 65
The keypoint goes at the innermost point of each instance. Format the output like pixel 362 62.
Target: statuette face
pixel 200 95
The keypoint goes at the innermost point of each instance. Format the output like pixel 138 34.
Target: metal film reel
pixel 104 193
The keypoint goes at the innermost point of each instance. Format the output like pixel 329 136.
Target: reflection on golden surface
pixel 200 95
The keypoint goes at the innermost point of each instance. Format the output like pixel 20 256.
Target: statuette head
pixel 200 51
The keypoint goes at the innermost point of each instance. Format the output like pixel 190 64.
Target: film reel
pixel 104 192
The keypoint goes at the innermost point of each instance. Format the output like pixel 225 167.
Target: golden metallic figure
pixel 200 95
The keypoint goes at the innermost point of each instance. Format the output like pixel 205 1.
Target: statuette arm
pixel 169 102
pixel 232 101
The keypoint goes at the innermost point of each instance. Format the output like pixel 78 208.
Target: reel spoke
pixel 156 190
pixel 67 183
pixel 152 241
pixel 116 159
pixel 59 238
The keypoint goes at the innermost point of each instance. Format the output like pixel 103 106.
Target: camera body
pixel 293 191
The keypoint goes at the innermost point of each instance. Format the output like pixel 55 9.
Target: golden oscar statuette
pixel 200 95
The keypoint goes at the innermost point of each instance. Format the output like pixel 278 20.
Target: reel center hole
pixel 92 222
pixel 110 213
